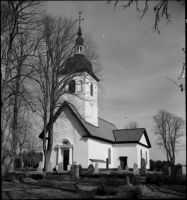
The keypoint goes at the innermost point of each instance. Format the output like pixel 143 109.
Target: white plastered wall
pixel 84 100
pixel 73 132
pixel 128 150
pixel 99 150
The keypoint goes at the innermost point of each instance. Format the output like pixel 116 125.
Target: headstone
pixel 60 167
pixel 135 169
pixel 73 169
pixel 80 169
pixel 74 162
pixel 76 172
pixel 128 181
pixel 91 169
pixel 120 169
pixel 143 167
pixel 126 169
pixel 96 168
pixel 49 167
pixel 39 169
pixel 8 165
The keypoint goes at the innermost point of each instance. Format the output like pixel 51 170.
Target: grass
pixel 61 186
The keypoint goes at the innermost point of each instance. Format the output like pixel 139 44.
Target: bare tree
pixel 161 10
pixel 56 46
pixel 131 125
pixel 15 16
pixel 169 129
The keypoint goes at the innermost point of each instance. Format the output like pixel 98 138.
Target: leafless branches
pixel 169 129
pixel 131 125
pixel 161 10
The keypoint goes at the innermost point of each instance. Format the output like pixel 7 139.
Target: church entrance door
pixel 66 159
pixel 123 162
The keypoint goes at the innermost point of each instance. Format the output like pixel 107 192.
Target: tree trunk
pixel 47 160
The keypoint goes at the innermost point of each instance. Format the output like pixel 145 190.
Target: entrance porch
pixel 64 156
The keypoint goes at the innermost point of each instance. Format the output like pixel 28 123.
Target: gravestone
pixel 73 170
pixel 76 176
pixel 128 181
pixel 60 167
pixel 39 169
pixel 91 169
pixel 50 167
pixel 74 162
pixel 120 169
pixel 96 168
pixel 143 167
pixel 126 169
pixel 8 165
pixel 80 169
pixel 135 169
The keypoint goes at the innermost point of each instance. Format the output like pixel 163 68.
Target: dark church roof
pixel 131 135
pixel 105 131
pixel 78 63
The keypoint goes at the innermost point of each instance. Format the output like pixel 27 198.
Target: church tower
pixel 82 88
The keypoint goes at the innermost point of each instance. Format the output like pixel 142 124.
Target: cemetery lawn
pixel 62 187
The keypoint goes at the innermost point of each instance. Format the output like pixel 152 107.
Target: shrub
pixel 108 181
pixel 106 190
pixel 134 193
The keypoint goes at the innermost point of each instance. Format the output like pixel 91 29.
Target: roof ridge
pixel 128 129
pixel 107 121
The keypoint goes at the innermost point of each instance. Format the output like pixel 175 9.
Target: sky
pixel 135 62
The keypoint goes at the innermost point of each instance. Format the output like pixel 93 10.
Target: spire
pixel 79 46
pixel 79 33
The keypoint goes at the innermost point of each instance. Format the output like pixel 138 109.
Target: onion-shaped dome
pixel 79 40
pixel 77 63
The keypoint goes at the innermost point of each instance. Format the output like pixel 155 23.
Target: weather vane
pixel 79 18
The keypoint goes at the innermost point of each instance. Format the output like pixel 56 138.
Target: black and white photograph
pixel 93 99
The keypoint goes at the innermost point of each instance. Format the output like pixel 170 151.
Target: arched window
pixel 91 89
pixel 77 48
pixel 141 154
pixel 80 48
pixel 109 156
pixel 79 88
pixel 72 86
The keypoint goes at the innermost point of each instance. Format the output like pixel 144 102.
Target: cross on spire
pixel 79 18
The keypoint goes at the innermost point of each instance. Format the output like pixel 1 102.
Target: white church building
pixel 83 138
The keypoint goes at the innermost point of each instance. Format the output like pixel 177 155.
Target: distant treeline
pixel 29 159
pixel 157 165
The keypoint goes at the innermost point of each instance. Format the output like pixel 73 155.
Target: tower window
pixel 79 87
pixel 77 48
pixel 72 86
pixel 80 48
pixel 91 89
